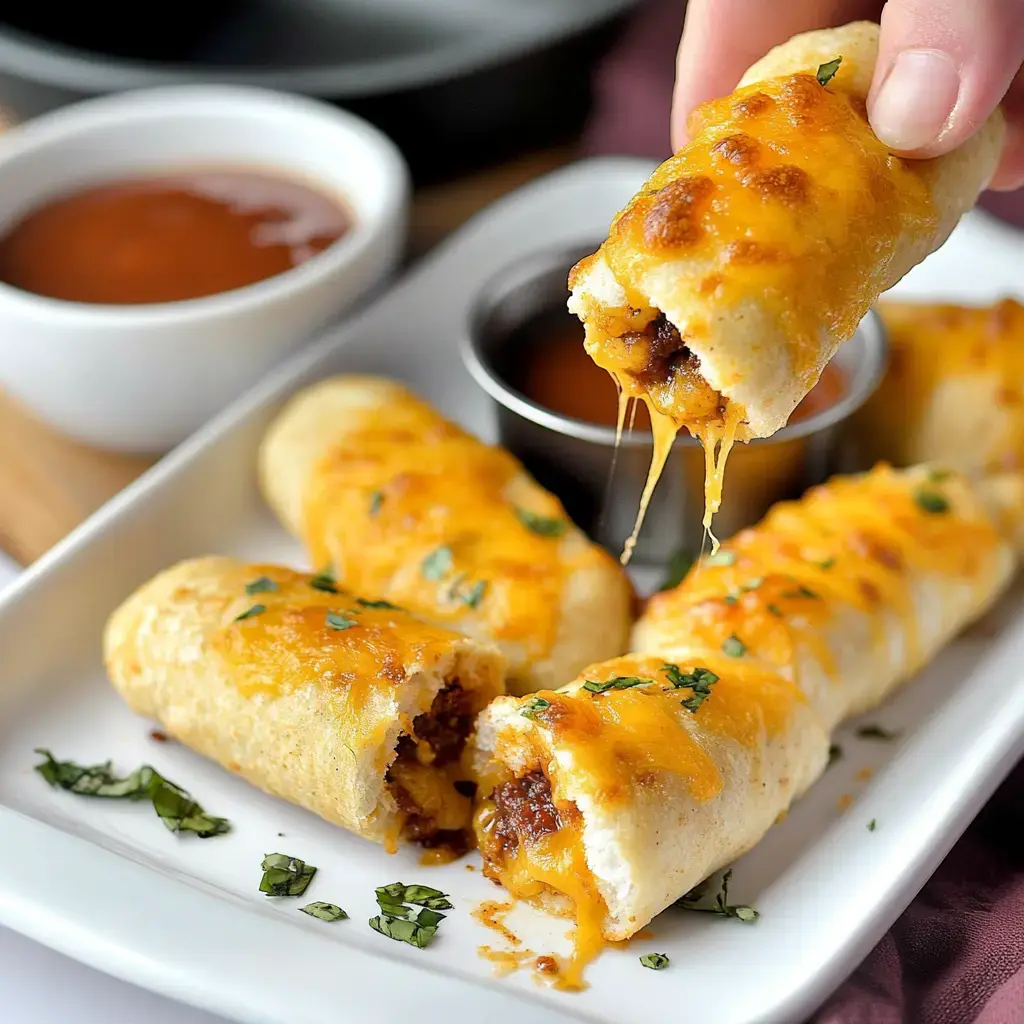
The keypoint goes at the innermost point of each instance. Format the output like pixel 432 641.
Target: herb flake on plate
pixel 876 732
pixel 721 906
pixel 655 961
pixel 376 500
pixel 409 913
pixel 285 876
pixel 543 526
pixel 174 806
pixel 324 912
pixel 256 609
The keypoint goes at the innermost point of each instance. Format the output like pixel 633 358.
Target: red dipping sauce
pixel 169 238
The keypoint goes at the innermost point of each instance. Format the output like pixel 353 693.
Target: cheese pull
pixel 954 389
pixel 356 711
pixel 406 506
pixel 729 280
pixel 611 798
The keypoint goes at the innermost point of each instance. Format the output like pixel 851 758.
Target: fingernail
pixel 916 100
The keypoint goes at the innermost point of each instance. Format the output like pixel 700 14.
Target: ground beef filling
pixel 523 809
pixel 435 749
pixel 670 362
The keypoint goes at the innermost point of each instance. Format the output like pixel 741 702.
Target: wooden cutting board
pixel 49 484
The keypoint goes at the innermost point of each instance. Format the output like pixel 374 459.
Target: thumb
pixel 943 66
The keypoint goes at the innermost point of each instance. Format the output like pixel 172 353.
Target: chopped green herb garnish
pixel 700 680
pixel 474 595
pixel 174 806
pixel 872 825
pixel 285 876
pixel 421 895
pixel 721 557
pixel 775 610
pixel 679 564
pixel 376 500
pixel 722 907
pixel 338 620
pixel 437 564
pixel 835 753
pixel 324 580
pixel 264 585
pixel 541 525
pixel 931 501
pixel 534 706
pixel 324 911
pixel 378 604
pixel 826 72
pixel 876 732
pixel 256 609
pixel 618 683
pixel 409 913
pixel 656 961
pixel 734 647
pixel 801 591
pixel 827 564
pixel 412 932
pixel 730 599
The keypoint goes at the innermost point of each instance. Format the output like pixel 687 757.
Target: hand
pixel 943 65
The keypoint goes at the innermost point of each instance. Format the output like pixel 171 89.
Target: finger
pixel 722 38
pixel 943 66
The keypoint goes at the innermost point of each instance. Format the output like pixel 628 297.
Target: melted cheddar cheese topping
pixel 411 508
pixel 783 197
pixel 639 735
pixel 951 361
pixel 853 541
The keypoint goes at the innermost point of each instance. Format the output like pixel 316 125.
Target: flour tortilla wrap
pixel 360 717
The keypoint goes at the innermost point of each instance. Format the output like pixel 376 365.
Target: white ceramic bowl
pixel 141 378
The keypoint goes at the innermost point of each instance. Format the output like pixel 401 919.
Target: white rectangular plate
pixel 109 885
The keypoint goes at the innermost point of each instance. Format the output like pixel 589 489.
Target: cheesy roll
pixel 954 390
pixel 348 707
pixel 727 283
pixel 406 506
pixel 848 591
pixel 611 798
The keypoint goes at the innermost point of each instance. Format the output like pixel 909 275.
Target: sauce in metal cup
pixel 524 307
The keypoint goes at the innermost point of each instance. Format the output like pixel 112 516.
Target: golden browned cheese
pixel 728 282
pixel 408 506
pixel 611 804
pixel 637 737
pixel 954 389
pixel 751 187
pixel 858 542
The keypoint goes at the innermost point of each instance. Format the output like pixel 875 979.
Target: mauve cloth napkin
pixel 956 955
